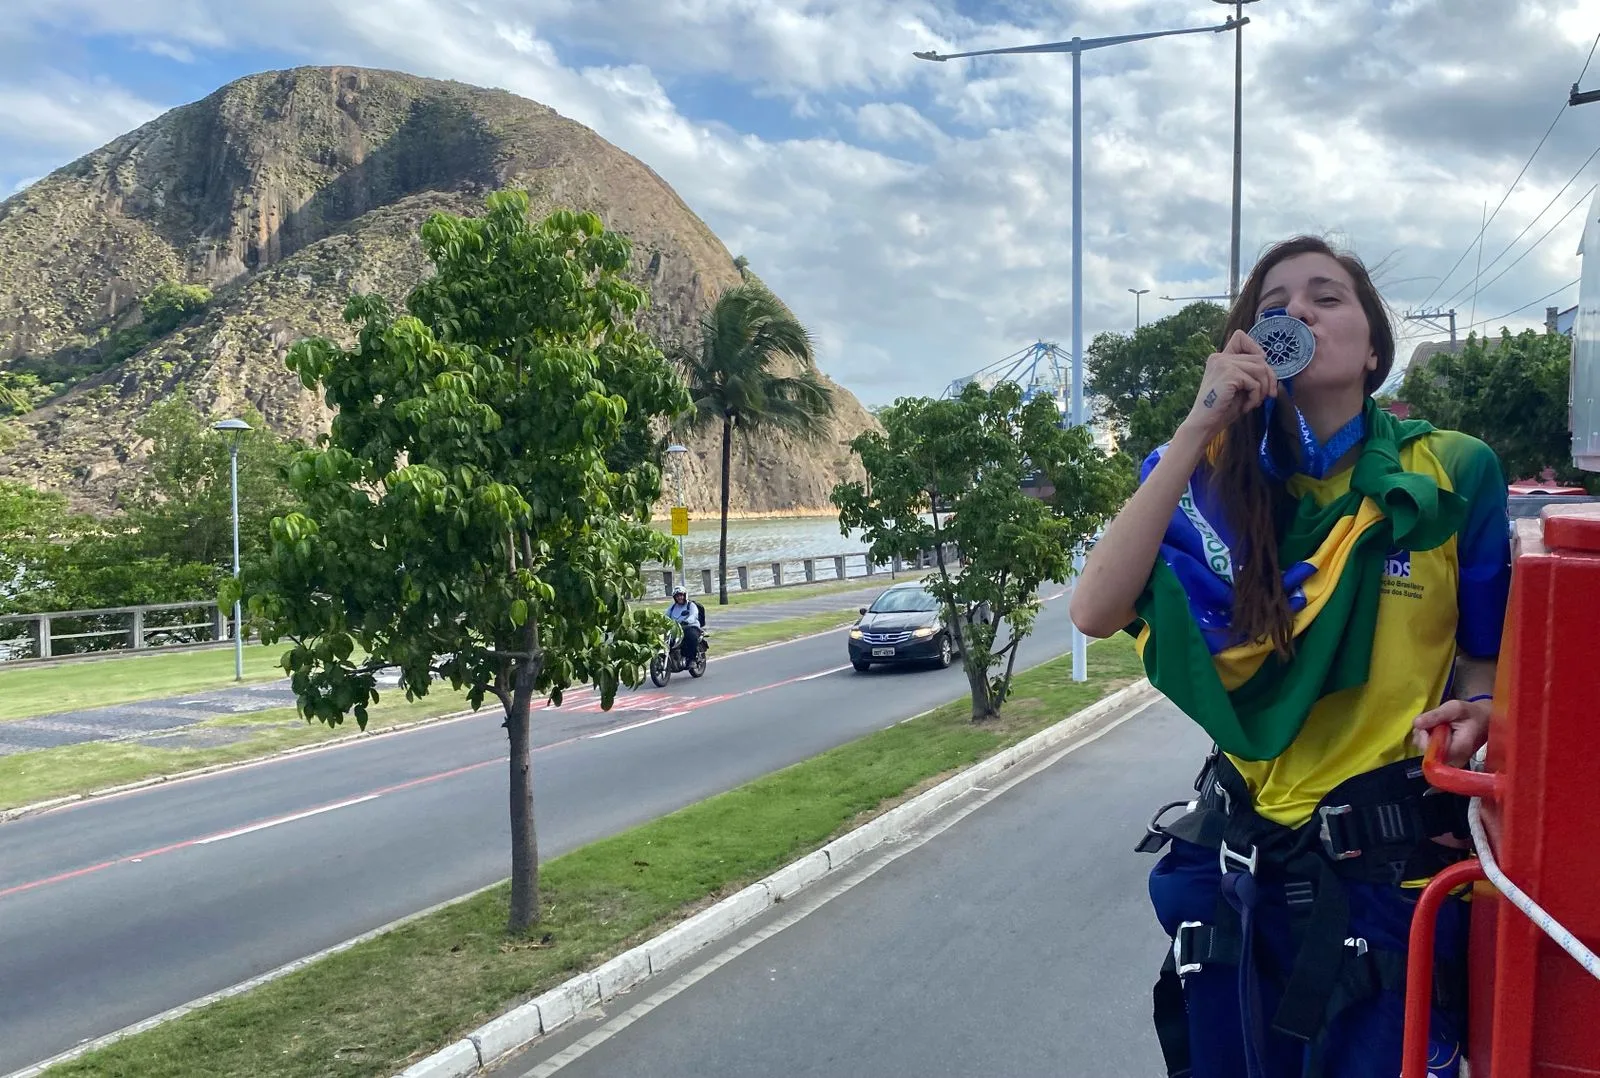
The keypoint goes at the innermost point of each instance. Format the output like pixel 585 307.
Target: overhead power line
pixel 1525 306
pixel 1576 205
pixel 1542 140
pixel 1526 228
pixel 1468 249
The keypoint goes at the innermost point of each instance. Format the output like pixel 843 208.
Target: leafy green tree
pixel 54 559
pixel 1148 379
pixel 737 381
pixel 1512 393
pixel 182 504
pixel 972 454
pixel 170 305
pixel 461 520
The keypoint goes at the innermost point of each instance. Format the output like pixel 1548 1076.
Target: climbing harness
pixel 1373 828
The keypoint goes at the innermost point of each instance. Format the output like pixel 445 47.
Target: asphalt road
pixel 1019 941
pixel 117 909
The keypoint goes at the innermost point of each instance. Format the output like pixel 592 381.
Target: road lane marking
pixel 635 725
pixel 253 828
pixel 145 855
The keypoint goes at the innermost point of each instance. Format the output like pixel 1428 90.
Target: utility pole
pixel 1583 97
pixel 1238 140
pixel 1432 319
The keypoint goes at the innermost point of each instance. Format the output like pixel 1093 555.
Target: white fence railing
pixel 57 634
pixel 854 565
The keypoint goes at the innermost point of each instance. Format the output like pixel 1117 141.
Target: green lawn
pixel 372 1010
pixel 117 679
pixel 120 679
pixel 30 777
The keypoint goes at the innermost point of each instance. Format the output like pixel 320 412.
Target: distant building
pixel 1559 321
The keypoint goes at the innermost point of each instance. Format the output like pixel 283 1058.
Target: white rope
pixel 1550 926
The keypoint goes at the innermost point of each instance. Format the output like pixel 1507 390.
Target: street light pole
pixel 1077 47
pixel 1238 140
pixel 234 430
pixel 1137 292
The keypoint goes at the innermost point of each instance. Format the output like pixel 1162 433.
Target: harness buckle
pixel 1335 848
pixel 1227 856
pixel 1180 951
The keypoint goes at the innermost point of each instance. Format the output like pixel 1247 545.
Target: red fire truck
pixel 1535 978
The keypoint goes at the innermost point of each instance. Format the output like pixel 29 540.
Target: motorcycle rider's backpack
pixel 700 613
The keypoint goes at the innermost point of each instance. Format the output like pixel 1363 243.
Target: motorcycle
pixel 669 660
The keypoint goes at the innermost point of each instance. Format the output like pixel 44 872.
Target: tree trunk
pixel 524 835
pixel 722 547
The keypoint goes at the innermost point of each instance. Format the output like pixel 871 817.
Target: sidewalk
pixel 169 722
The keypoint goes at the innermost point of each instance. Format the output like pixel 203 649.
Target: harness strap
pixel 1374 827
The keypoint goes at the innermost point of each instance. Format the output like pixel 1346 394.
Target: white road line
pixel 820 673
pixel 635 725
pixel 285 819
pixel 805 905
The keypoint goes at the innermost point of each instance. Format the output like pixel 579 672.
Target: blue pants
pixel 1364 1040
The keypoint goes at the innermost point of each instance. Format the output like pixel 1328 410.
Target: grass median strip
pixel 30 777
pixel 125 678
pixel 118 679
pixel 372 1010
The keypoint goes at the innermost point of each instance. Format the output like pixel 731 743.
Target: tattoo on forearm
pixel 1211 399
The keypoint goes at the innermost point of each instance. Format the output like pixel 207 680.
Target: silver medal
pixel 1286 340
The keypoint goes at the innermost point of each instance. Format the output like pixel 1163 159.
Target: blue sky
pixel 917 215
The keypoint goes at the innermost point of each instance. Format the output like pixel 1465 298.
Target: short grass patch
pixel 30 777
pixel 372 1010
pixel 727 641
pixel 46 689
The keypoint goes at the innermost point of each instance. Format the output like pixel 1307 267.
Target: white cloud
pixel 921 222
pixel 65 113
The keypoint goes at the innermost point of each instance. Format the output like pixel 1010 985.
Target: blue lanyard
pixel 1316 458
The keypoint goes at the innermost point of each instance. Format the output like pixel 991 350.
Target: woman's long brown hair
pixel 1254 502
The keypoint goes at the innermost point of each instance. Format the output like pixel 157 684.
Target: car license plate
pixel 882 653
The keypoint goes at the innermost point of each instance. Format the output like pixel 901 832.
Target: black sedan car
pixel 904 625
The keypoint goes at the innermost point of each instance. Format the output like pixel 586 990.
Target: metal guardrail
pixel 853 565
pixel 58 634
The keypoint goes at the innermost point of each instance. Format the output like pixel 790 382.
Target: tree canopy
pixel 1148 379
pixel 463 519
pixel 1511 392
pixel 738 380
pixel 953 471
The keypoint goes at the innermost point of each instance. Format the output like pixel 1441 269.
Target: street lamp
pixel 1137 292
pixel 1238 145
pixel 234 430
pixel 678 451
pixel 1077 47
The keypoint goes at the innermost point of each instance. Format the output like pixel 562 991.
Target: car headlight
pixel 924 632
pixel 855 634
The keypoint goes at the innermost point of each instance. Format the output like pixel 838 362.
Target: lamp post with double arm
pixel 1077 47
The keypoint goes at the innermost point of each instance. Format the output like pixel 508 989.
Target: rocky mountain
pixel 282 193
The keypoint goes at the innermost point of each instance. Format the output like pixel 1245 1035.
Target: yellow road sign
pixel 680 520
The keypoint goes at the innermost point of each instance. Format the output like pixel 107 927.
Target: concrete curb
pixel 544 1014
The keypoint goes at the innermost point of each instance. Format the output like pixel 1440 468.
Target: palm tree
pixel 746 334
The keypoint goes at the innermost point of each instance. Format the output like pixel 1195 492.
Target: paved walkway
pixel 174 722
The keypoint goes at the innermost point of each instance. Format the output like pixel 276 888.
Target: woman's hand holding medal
pixel 1237 380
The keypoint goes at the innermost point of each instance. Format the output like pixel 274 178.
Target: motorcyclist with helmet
pixel 689 616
